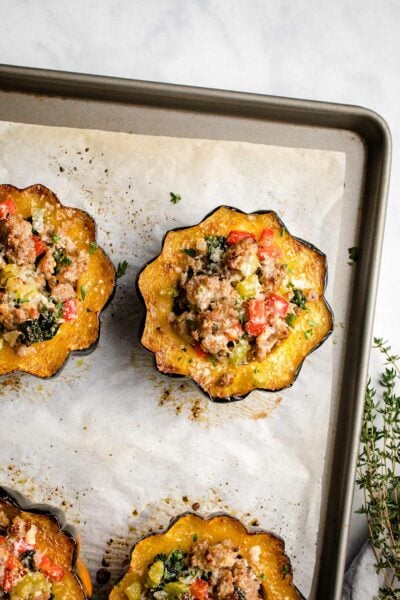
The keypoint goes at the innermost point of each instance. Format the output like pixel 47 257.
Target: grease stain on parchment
pixel 184 400
pixel 22 387
pixel 17 478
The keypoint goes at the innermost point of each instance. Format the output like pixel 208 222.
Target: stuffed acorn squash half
pixel 54 281
pixel 38 553
pixel 235 302
pixel 200 559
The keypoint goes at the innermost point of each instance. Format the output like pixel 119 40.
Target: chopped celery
pixel 155 573
pixel 238 354
pixel 133 591
pixel 8 271
pixel 11 337
pixel 30 586
pixel 249 287
pixel 175 588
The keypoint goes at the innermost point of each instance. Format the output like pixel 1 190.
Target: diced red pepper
pixel 272 250
pixel 266 247
pixel 199 589
pixel 235 236
pixel 233 333
pixel 266 235
pixel 13 568
pixel 8 580
pixel 7 207
pixel 12 563
pixel 277 305
pixel 40 246
pixel 70 310
pixel 199 350
pixel 269 250
pixel 49 568
pixel 257 317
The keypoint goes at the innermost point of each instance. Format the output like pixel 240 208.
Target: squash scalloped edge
pixel 22 503
pixel 43 190
pixel 234 397
pixel 208 519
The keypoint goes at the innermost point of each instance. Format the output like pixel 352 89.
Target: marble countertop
pixel 336 51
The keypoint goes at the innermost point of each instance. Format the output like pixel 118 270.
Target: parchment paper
pixel 121 447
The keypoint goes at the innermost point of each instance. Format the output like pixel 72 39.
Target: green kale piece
pixel 189 251
pixel 174 565
pixel 299 298
pixel 239 593
pixel 216 245
pixel 61 258
pixel 40 330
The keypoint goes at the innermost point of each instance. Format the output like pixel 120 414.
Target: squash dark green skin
pixel 20 502
pixel 83 225
pixel 193 523
pixel 235 397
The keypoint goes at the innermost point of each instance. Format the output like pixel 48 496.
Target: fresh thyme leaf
pixel 354 253
pixel 309 333
pixel 92 247
pixel 55 238
pixel 195 537
pixel 285 570
pixel 121 268
pixel 83 292
pixel 282 231
pixel 378 469
pixel 175 198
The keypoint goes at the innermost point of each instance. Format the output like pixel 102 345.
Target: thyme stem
pixel 378 471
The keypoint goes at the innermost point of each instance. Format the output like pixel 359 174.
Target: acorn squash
pixel 47 559
pixel 263 551
pixel 300 286
pixel 51 347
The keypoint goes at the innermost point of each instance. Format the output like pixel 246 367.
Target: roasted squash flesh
pixel 263 551
pixel 57 545
pixel 306 269
pixel 98 281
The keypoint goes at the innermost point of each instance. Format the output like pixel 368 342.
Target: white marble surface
pixel 344 51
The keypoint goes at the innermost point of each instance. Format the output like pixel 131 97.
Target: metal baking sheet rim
pixel 375 133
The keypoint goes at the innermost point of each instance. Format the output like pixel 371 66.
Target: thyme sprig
pixel 378 471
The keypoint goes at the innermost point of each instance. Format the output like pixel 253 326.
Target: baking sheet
pixel 123 447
